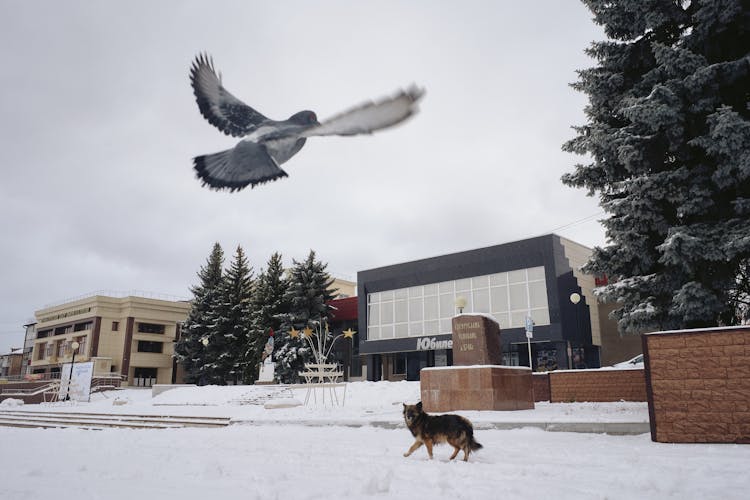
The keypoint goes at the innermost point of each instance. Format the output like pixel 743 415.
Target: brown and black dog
pixel 429 430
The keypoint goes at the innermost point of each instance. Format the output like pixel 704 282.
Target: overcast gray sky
pixel 99 126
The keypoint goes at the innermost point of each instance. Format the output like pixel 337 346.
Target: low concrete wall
pixel 157 389
pixel 7 391
pixel 598 385
pixel 699 385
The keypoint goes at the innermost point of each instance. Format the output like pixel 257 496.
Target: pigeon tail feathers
pixel 247 164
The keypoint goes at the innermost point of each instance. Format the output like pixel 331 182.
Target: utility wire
pixel 574 223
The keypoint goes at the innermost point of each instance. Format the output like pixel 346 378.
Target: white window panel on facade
pixel 431 327
pixel 386 313
pixel 373 333
pixel 415 309
pixel 416 329
pixel 499 299
pixel 519 297
pixel 500 279
pixel 428 309
pixel 402 311
pixel 431 309
pixel 447 305
pixel 481 300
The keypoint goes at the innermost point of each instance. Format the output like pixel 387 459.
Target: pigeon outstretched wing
pixel 217 105
pixel 370 116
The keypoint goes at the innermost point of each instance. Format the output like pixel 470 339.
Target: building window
pixel 115 326
pixel 81 346
pixel 62 330
pixel 428 309
pixel 144 377
pixel 147 346
pixel 43 333
pixel 399 363
pixel 150 328
pixel 79 327
pixel 511 359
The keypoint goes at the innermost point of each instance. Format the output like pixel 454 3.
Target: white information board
pixel 80 388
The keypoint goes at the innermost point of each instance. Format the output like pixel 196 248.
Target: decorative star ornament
pixel 294 333
pixel 349 333
pixel 267 143
pixel 307 332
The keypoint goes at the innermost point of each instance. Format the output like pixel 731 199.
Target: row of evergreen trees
pixel 234 312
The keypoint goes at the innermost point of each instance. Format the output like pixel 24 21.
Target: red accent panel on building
pixel 343 309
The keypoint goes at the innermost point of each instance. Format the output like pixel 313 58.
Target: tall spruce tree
pixel 189 350
pixel 232 318
pixel 268 306
pixel 306 297
pixel 668 131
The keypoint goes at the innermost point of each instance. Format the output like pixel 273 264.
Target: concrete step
pixel 21 418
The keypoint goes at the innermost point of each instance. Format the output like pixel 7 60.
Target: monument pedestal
pixel 266 373
pixel 477 381
pixel 480 387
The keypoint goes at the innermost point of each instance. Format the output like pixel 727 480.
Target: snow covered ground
pixel 275 453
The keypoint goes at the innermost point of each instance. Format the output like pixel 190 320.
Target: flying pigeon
pixel 267 143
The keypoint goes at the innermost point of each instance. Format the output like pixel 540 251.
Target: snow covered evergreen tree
pixel 232 317
pixel 306 296
pixel 268 305
pixel 668 132
pixel 189 349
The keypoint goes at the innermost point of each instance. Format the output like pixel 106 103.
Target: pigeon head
pixel 304 118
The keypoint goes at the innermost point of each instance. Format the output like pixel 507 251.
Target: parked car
pixel 635 362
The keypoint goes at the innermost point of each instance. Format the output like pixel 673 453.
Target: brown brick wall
pixel 541 386
pixel 597 385
pixel 6 391
pixel 699 384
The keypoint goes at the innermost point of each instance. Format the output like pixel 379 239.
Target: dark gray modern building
pixel 405 310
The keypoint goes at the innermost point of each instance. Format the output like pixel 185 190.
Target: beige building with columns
pixel 130 335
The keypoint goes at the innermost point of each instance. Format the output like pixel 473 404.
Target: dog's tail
pixel 474 445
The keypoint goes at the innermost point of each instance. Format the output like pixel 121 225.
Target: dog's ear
pixel 419 406
pixel 404 405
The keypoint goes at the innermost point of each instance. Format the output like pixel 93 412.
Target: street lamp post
pixel 575 298
pixel 74 345
pixel 204 341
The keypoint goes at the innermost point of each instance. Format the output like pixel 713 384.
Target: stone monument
pixel 477 380
pixel 476 341
pixel 266 372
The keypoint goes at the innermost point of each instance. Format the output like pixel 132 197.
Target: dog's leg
pixel 428 444
pixel 456 449
pixel 467 449
pixel 413 448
